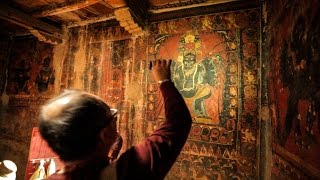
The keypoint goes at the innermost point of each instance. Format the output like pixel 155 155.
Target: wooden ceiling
pixel 48 17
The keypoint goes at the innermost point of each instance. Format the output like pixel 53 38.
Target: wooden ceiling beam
pixel 130 14
pixel 203 10
pixel 30 23
pixel 66 8
pixel 91 21
pixel 175 8
pixel 116 3
pixel 19 18
pixel 106 5
pixel 139 10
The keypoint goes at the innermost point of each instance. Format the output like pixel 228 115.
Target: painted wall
pixel 221 85
pixel 216 68
pixel 27 80
pixel 294 87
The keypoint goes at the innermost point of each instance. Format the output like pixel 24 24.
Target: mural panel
pixel 295 84
pixel 5 48
pixel 124 85
pixel 215 68
pixel 31 70
pixel 28 84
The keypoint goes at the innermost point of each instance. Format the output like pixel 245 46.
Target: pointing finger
pixel 164 62
pixel 169 62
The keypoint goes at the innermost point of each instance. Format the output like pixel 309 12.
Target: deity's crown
pixel 189 39
pixel 189 51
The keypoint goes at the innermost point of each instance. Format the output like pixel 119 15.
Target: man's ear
pixel 104 135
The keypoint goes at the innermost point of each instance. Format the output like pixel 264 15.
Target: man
pixel 81 128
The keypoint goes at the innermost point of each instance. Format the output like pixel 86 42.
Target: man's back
pixel 152 158
pixel 71 114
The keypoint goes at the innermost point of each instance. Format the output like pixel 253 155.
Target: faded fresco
pixel 294 87
pixel 96 58
pixel 4 61
pixel 125 76
pixel 117 54
pixel 215 68
pixel 28 83
pixel 31 71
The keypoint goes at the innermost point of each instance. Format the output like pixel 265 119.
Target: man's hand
pixel 161 69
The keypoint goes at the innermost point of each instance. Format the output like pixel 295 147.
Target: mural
pixel 46 75
pixel 215 65
pixel 30 77
pixel 195 75
pixel 295 83
pixel 4 61
pixel 21 77
pixel 31 71
pixel 91 72
pixel 122 86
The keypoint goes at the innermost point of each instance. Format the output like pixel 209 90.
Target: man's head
pixel 75 123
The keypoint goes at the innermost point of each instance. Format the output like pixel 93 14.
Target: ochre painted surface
pixel 215 67
pixel 294 91
pixel 30 71
pixel 28 84
pixel 221 87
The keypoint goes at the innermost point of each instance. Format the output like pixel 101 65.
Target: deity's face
pixel 189 60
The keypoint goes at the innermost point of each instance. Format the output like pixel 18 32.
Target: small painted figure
pixel 45 76
pixel 22 76
pixel 192 78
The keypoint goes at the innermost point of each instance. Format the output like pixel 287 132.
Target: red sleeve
pixel 160 150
